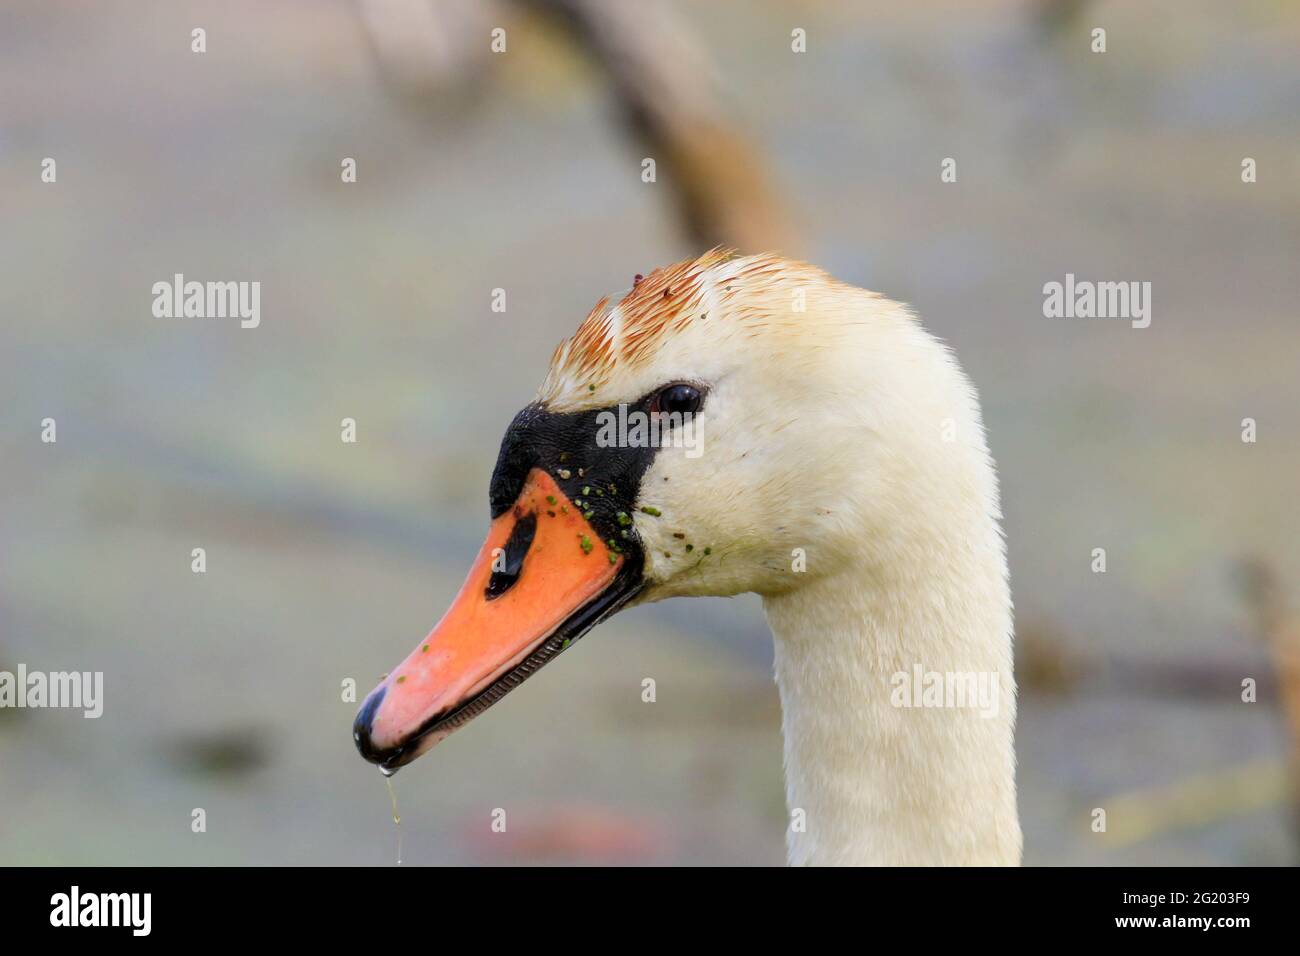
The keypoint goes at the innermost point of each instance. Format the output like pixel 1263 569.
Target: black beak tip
pixel 362 725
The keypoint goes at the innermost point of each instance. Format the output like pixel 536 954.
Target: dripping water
pixel 397 818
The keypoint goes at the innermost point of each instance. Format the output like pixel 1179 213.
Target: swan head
pixel 728 424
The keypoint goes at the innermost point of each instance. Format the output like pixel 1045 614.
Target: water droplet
pixel 397 817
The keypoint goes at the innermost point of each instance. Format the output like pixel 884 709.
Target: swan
pixel 818 447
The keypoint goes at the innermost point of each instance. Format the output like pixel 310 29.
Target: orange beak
pixel 540 581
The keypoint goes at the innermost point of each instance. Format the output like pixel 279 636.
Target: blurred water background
pixel 328 561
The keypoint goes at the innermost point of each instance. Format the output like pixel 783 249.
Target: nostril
pixel 361 727
pixel 521 539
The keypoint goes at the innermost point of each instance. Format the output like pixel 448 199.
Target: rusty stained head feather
pixel 666 301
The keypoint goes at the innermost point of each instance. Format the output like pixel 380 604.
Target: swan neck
pixel 898 708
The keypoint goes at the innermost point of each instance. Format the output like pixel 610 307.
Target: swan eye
pixel 678 399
